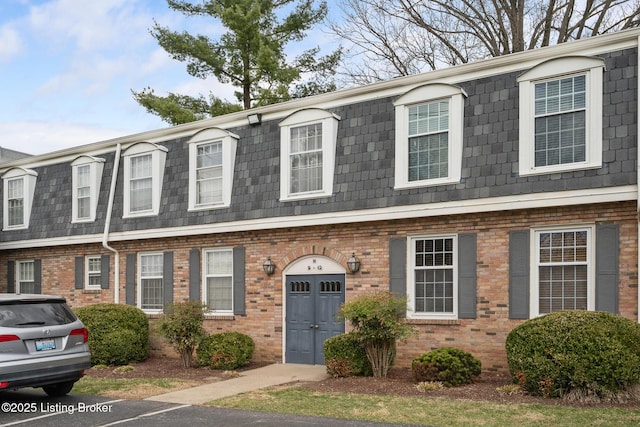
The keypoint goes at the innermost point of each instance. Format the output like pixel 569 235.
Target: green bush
pixel 344 356
pixel 181 325
pixel 593 353
pixel 226 350
pixel 451 366
pixel 118 333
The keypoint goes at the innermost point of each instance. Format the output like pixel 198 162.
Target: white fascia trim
pixel 493 204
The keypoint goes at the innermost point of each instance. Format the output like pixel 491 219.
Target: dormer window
pixel 212 155
pixel 87 175
pixel 19 188
pixel 307 154
pixel 143 175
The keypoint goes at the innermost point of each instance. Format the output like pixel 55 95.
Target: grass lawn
pixel 425 411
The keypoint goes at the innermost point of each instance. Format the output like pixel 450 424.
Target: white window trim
pixel 205 276
pixel 329 140
pixel 139 286
pixel 17 273
pixel 87 286
pixel 421 95
pixel 229 146
pixel 411 256
pixel 158 159
pixel 593 69
pixel 29 178
pixel 96 166
pixel 534 292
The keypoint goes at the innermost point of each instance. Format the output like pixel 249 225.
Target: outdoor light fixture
pixel 269 267
pixel 254 119
pixel 353 263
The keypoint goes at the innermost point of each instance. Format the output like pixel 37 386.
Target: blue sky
pixel 67 68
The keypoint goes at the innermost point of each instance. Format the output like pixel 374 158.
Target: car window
pixel 35 314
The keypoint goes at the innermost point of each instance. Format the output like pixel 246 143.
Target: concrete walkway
pixel 253 379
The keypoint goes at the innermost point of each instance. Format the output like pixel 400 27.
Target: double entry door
pixel 313 303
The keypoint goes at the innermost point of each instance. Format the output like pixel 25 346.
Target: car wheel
pixel 57 390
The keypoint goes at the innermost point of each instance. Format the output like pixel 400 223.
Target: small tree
pixel 378 321
pixel 181 325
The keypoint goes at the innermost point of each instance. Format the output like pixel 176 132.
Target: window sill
pixel 445 322
pixel 92 291
pixel 426 183
pixel 548 170
pixel 305 196
pixel 215 316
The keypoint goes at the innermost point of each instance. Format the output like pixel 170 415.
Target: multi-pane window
pixel 563 270
pixel 94 272
pixel 560 121
pixel 151 282
pixel 26 277
pixel 434 284
pixel 140 183
pixel 305 156
pixel 428 140
pixel 209 174
pixel 218 276
pixel 560 116
pixel 83 191
pixel 15 201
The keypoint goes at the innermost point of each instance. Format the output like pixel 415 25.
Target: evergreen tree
pixel 250 56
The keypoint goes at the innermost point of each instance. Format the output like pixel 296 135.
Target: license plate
pixel 43 345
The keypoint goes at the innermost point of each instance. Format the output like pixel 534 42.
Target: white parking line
pixel 148 414
pixel 52 414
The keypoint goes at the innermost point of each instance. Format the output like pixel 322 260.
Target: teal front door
pixel 313 302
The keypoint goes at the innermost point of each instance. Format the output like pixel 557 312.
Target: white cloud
pixel 44 137
pixel 10 43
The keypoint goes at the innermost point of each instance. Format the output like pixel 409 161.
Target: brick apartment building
pixel 487 193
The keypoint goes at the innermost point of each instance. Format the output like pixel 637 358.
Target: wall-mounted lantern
pixel 269 267
pixel 353 263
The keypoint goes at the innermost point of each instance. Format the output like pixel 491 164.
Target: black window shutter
pixel 130 280
pixel 11 277
pixel 194 274
pixel 167 278
pixel 519 278
pixel 607 253
pixel 467 255
pixel 239 305
pixel 79 272
pixel 105 263
pixel 37 276
pixel 398 266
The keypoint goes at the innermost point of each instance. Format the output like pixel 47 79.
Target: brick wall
pixel 483 336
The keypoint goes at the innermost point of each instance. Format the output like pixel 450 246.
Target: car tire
pixel 58 390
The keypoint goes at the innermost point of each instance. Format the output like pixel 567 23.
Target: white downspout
pixel 107 225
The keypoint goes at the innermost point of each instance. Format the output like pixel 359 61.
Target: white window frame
pixel 329 122
pixel 139 303
pixel 534 303
pixel 229 142
pixel 424 95
pixel 28 178
pixel 411 267
pixel 96 167
pixel 158 158
pixel 19 278
pixel 206 274
pixel 555 69
pixel 88 273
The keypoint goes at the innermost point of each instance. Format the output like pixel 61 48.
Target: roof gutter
pixel 107 225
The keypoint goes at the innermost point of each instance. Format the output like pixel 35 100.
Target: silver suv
pixel 42 344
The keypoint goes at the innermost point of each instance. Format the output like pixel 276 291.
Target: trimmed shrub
pixel 344 356
pixel 451 366
pixel 226 350
pixel 118 333
pixel 181 325
pixel 593 353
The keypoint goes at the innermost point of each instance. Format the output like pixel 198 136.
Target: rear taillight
pixel 7 338
pixel 83 332
pixel 4 384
